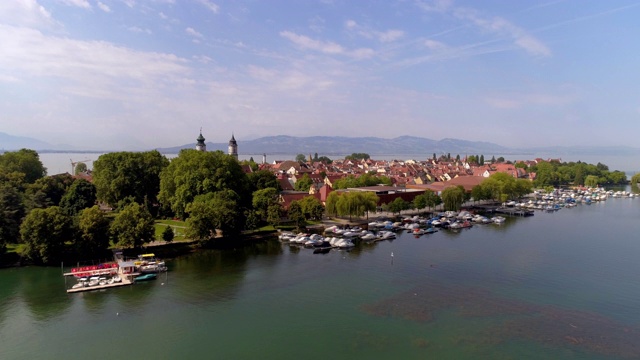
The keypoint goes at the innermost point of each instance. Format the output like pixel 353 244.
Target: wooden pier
pixel 124 282
pixel 513 211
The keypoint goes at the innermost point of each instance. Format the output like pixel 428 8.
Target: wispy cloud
pixel 495 25
pixel 104 7
pixel 191 31
pixel 520 100
pixel 137 29
pixel 502 27
pixel 326 47
pixel 25 13
pixel 79 3
pixel 214 8
pixel 366 32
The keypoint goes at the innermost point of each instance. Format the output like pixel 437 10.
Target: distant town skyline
pixel 135 74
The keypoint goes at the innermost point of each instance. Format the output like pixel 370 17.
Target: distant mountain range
pixel 339 145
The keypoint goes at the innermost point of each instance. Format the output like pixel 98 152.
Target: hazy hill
pixel 11 142
pixel 331 145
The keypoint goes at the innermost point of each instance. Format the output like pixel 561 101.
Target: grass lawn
pixel 178 229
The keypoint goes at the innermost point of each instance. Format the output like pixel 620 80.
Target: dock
pixel 513 211
pixel 125 270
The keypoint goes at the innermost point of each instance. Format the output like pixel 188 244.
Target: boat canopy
pixel 127 264
pixel 147 255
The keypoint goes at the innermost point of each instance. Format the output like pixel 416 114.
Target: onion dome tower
pixel 200 145
pixel 233 147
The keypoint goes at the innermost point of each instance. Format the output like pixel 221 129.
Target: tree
pixel 274 213
pixel 432 198
pixel 81 168
pixel 591 181
pixel 472 159
pixel 132 227
pixel 168 234
pixel 635 179
pixel 458 157
pixel 194 173
pixel 93 233
pixel 311 208
pixel 493 159
pixel 81 195
pixel 263 179
pixel 481 161
pixel 301 158
pixel 44 232
pixel 397 205
pixel 420 202
pixel 453 198
pixel 500 159
pixel 213 212
pixel 295 214
pixel 119 175
pixel 358 156
pixel 325 160
pixel 304 183
pixel 262 199
pixel 47 191
pixel 12 211
pixel 23 161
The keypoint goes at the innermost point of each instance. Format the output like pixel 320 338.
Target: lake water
pixel 560 285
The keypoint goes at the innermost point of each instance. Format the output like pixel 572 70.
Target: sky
pixel 134 74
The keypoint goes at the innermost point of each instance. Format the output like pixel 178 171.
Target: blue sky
pixel 135 74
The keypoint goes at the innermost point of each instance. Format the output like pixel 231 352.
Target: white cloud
pixel 139 30
pixel 501 26
pixel 25 13
pixel 326 47
pixel 366 32
pixel 214 8
pixel 79 3
pixel 163 16
pixel 194 33
pixel 30 54
pixel 435 5
pixel 434 45
pixel 104 7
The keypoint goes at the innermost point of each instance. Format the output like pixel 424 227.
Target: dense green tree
pixel 195 173
pixel 48 191
pixel 458 157
pixel 44 232
pixel 432 198
pixel 500 159
pixel 397 205
pixel 81 195
pixel 617 178
pixel 579 178
pixel 420 202
pixel 481 161
pixel 252 220
pixel 312 208
pixel 296 215
pixel 213 212
pixel 81 168
pixel 263 179
pixel 119 175
pixel 358 156
pixel 453 198
pixel 262 199
pixel 472 159
pixel 493 159
pixel 301 158
pixel 635 179
pixel 304 183
pixel 23 161
pixel 132 227
pixel 325 160
pixel 93 233
pixel 274 213
pixel 12 211
pixel 591 181
pixel 167 234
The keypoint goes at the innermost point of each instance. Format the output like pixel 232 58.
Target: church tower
pixel 233 147
pixel 200 145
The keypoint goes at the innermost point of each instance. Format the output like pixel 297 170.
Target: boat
pixel 149 264
pixel 145 277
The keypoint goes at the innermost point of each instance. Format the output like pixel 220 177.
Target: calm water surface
pixel 557 285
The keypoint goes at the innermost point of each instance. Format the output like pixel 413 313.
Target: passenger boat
pixel 149 264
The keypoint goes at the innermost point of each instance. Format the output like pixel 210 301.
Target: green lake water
pixel 560 285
